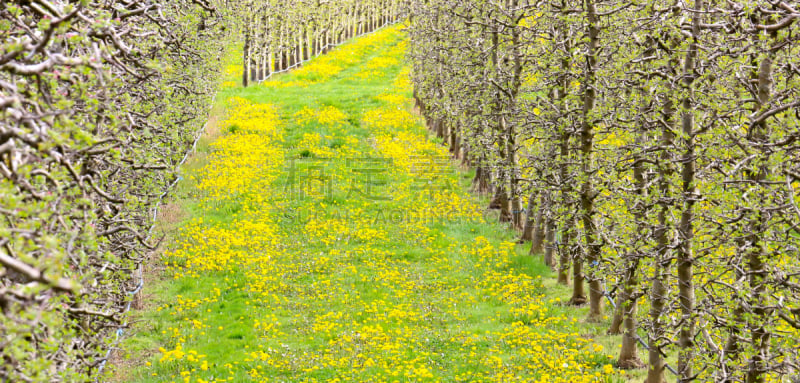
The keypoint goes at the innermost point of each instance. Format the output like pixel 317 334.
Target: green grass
pixel 439 269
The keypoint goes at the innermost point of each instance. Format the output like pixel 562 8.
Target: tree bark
pixel 246 55
pixel 685 256
pixel 757 222
pixel 538 229
pixel 549 242
pixel 587 193
pixel 578 293
pixel 627 300
pixel 658 292
pixel 480 184
pixel 530 220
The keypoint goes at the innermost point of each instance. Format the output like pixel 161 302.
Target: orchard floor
pixel 319 235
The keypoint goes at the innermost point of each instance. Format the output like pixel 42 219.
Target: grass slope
pixel 320 236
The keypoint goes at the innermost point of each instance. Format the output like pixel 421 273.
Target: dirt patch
pixel 118 366
pixel 214 125
pixel 169 215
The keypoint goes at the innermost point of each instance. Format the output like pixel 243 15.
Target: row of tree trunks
pixel 281 36
pixel 654 148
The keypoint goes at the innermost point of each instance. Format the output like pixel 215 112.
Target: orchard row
pixel 99 102
pixel 654 147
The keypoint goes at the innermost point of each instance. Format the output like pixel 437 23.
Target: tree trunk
pixel 587 193
pixel 627 301
pixel 564 256
pixel 685 255
pixel 246 56
pixel 530 220
pixel 578 293
pixel 514 193
pixel 656 362
pixel 549 242
pixel 503 204
pixel 616 320
pixel 457 147
pixel 628 355
pixel 480 184
pixel 658 292
pixel 538 229
pixel 757 223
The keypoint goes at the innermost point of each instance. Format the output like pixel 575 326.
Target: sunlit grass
pixel 327 239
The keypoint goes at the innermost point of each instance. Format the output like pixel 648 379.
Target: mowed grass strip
pixel 323 237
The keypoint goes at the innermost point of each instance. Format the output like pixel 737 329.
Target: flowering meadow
pixel 324 237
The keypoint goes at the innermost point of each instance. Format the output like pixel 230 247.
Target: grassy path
pixel 322 237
